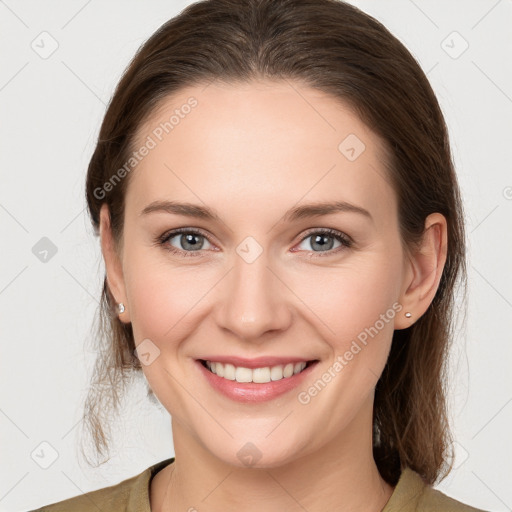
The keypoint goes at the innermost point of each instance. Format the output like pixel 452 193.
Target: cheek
pixel 350 298
pixel 165 302
pixel 163 296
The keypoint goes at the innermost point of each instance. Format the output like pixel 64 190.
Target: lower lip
pixel 252 391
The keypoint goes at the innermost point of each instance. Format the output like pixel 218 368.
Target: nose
pixel 253 301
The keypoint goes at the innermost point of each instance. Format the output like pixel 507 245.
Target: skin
pixel 251 152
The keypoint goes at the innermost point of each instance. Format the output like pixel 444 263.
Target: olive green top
pixel 132 495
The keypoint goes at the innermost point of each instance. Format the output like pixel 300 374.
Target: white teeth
pixel 243 374
pixel 276 373
pixel 258 375
pixel 229 371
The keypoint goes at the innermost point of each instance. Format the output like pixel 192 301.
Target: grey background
pixel 51 110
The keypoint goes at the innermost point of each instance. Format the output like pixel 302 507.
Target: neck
pixel 341 475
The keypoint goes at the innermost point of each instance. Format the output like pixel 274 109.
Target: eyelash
pixel 346 241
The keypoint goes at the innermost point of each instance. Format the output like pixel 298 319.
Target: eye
pixel 191 242
pixel 187 241
pixel 323 241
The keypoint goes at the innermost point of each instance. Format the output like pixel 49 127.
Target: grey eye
pixel 189 241
pixel 320 242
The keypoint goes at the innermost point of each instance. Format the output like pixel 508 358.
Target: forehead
pixel 268 142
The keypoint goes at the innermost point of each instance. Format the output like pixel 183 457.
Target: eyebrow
pixel 298 212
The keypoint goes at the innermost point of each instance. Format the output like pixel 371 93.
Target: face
pixel 265 275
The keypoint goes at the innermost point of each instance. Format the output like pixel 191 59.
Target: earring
pixel 408 315
pixel 121 307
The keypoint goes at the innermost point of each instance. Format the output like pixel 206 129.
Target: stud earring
pixel 408 315
pixel 121 307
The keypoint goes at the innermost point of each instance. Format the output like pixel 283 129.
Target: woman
pixel 282 233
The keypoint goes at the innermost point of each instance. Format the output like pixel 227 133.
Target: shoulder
pixel 413 494
pixel 434 500
pixel 108 499
pixel 129 495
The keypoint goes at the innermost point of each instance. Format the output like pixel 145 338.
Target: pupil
pixel 320 240
pixel 189 239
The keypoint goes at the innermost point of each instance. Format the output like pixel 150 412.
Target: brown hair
pixel 336 48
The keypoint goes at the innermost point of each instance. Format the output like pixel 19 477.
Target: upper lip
pixel 257 362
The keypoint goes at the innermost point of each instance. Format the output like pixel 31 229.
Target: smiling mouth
pixel 261 375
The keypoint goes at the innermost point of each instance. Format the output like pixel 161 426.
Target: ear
pixel 423 271
pixel 113 264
